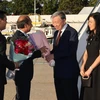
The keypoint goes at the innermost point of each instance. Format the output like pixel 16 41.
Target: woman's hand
pixel 82 71
pixel 88 72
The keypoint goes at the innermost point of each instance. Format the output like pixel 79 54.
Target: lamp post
pixel 35 11
pixel 34 7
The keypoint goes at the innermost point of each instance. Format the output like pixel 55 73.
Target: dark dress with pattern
pixel 93 49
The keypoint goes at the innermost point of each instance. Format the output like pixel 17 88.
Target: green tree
pixel 4 5
pixel 23 6
pixel 93 2
pixel 85 2
pixel 49 6
pixel 45 6
pixel 73 6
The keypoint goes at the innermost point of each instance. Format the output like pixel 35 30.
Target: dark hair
pixel 96 17
pixel 21 23
pixel 2 14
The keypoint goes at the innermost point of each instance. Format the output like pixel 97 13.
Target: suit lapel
pixel 55 35
pixel 19 35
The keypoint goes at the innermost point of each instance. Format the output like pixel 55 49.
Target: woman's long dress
pixel 92 93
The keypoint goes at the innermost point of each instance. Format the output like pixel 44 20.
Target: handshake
pixel 47 56
pixel 50 59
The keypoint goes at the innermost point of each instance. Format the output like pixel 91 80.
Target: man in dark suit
pixel 4 62
pixel 24 76
pixel 66 69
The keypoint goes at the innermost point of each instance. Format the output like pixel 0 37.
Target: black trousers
pixel 2 92
pixel 23 91
pixel 66 89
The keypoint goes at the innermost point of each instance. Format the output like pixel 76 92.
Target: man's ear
pixel 25 25
pixel 0 20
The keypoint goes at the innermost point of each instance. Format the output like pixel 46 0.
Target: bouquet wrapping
pixel 20 50
pixel 39 40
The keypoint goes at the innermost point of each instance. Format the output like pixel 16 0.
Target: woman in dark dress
pixel 91 59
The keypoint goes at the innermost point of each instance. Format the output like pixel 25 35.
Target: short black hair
pixel 2 14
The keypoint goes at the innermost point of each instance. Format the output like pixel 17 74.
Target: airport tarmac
pixel 42 86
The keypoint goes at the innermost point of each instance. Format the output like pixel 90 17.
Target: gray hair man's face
pixel 58 23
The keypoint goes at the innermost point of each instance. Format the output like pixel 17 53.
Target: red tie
pixel 58 38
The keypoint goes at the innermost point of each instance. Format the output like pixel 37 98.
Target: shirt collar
pixel 64 27
pixel 23 33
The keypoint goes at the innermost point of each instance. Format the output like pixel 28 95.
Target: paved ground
pixel 42 84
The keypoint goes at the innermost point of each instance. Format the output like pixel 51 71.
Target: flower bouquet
pixel 20 50
pixel 39 40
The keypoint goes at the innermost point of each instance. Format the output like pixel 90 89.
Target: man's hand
pixel 49 57
pixel 16 64
pixel 43 49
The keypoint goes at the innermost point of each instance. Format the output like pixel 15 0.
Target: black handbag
pixel 86 81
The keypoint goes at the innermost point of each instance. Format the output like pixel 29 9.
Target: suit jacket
pixel 66 65
pixel 25 73
pixel 4 62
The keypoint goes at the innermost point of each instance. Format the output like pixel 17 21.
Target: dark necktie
pixel 58 38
